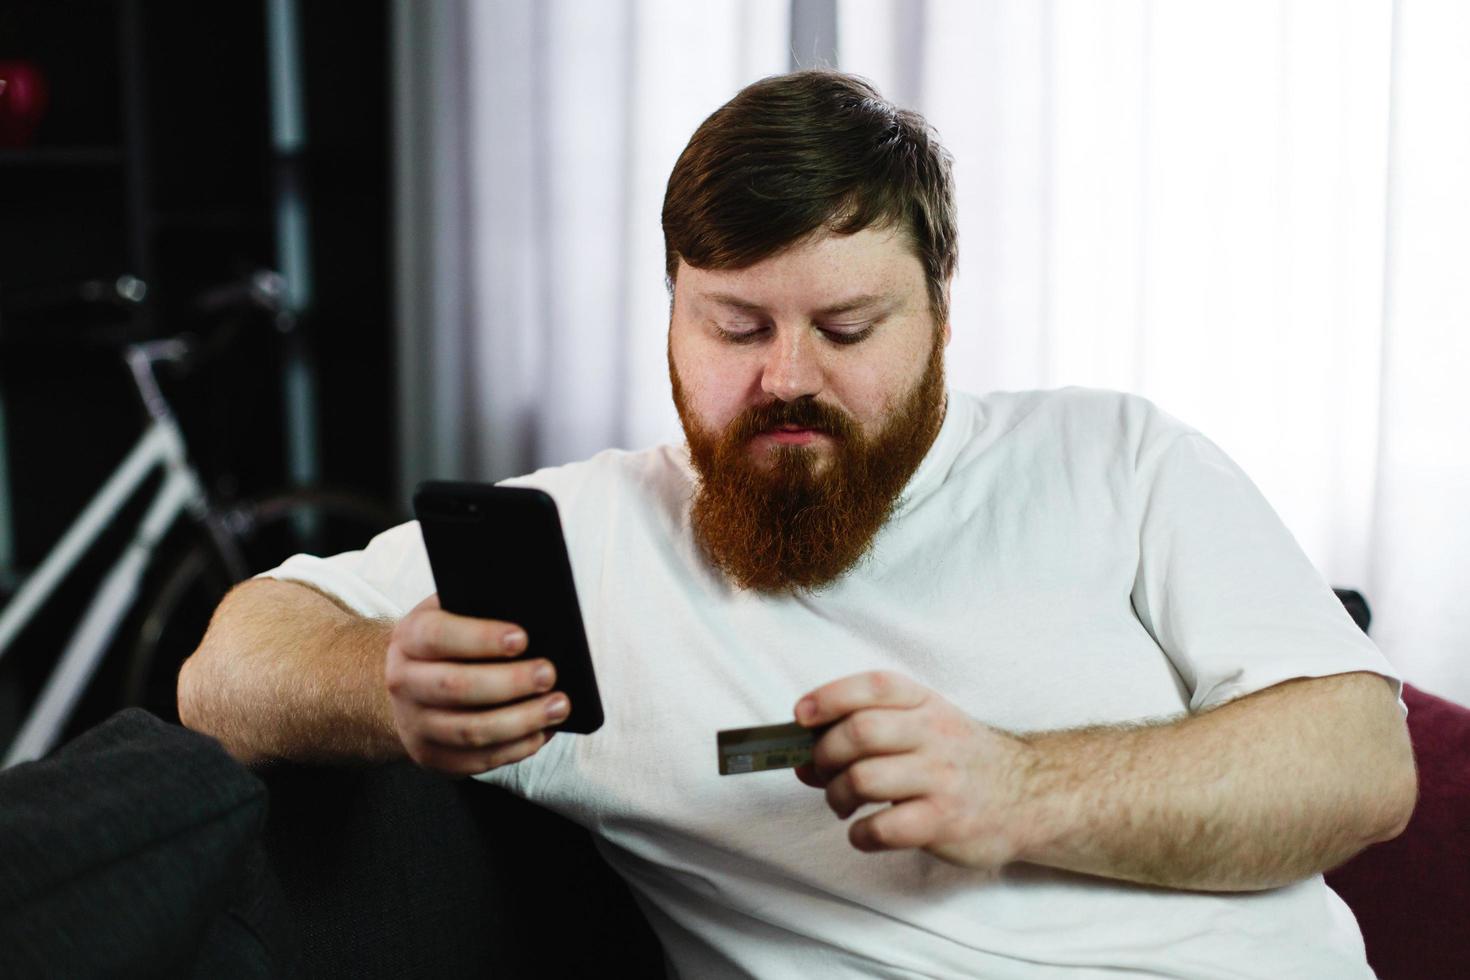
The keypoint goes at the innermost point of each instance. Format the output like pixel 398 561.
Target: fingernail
pixel 543 676
pixel 556 708
pixel 513 642
pixel 806 709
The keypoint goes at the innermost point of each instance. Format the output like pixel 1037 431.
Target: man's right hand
pixel 459 704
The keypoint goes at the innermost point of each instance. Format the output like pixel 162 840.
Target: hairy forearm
pixel 1259 793
pixel 285 672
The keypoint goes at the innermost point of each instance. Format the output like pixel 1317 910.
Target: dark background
pixel 155 159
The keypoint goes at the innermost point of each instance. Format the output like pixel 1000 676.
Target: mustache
pixel 803 413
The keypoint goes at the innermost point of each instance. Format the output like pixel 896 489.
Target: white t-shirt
pixel 1060 558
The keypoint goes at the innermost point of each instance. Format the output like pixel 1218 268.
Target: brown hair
pixel 792 154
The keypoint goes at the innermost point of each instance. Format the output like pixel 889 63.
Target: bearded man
pixel 1084 705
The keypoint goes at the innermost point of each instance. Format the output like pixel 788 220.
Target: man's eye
pixel 740 333
pixel 839 335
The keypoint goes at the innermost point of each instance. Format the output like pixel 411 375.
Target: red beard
pixel 787 526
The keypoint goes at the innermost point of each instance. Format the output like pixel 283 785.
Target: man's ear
pixel 947 307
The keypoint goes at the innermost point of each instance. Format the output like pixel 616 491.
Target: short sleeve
pixel 385 579
pixel 1225 589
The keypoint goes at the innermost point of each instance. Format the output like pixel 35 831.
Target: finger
pixel 438 635
pixel 866 732
pixel 913 823
pixel 449 684
pixel 460 762
pixel 476 730
pixel 431 601
pixel 874 689
pixel 882 779
pixel 807 773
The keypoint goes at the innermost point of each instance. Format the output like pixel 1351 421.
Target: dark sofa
pixel 142 849
pixel 395 871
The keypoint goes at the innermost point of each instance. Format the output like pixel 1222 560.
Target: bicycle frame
pixel 161 445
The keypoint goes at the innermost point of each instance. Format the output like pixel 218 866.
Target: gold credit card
pixel 766 747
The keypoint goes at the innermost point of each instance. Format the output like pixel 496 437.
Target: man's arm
pixel 1258 793
pixel 286 672
pixel 1261 792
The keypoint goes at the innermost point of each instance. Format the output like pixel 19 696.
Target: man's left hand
pixel 957 786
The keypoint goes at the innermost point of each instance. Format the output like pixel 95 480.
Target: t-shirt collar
pixel 936 463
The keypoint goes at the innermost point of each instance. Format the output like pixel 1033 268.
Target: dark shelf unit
pixel 69 157
pixel 154 159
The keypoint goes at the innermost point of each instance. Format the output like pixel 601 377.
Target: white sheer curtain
pixel 1255 213
pixel 534 141
pixel 1421 533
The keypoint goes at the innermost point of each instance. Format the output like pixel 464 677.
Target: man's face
pixel 809 385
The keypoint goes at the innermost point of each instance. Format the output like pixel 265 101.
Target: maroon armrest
pixel 1411 895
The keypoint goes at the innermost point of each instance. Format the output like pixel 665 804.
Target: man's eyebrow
pixel 846 306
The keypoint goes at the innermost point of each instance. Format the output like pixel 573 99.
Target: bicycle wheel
pixel 267 531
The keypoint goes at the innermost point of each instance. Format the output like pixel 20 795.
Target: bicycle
pixel 237 540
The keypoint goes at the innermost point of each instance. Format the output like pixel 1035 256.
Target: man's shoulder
pixel 644 476
pixel 1074 408
pixel 1091 403
pixel 1085 426
pixel 661 462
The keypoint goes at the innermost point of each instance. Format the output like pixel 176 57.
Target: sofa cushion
pixel 120 851
pixel 392 870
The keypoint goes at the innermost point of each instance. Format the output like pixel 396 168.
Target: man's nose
pixel 793 369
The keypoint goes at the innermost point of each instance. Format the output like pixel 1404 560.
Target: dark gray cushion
pixel 126 848
pixel 392 871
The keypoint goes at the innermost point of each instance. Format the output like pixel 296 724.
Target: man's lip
pixel 792 436
pixel 797 430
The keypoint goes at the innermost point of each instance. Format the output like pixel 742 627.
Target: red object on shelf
pixel 24 96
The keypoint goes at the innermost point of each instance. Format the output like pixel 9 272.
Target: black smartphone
pixel 498 553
